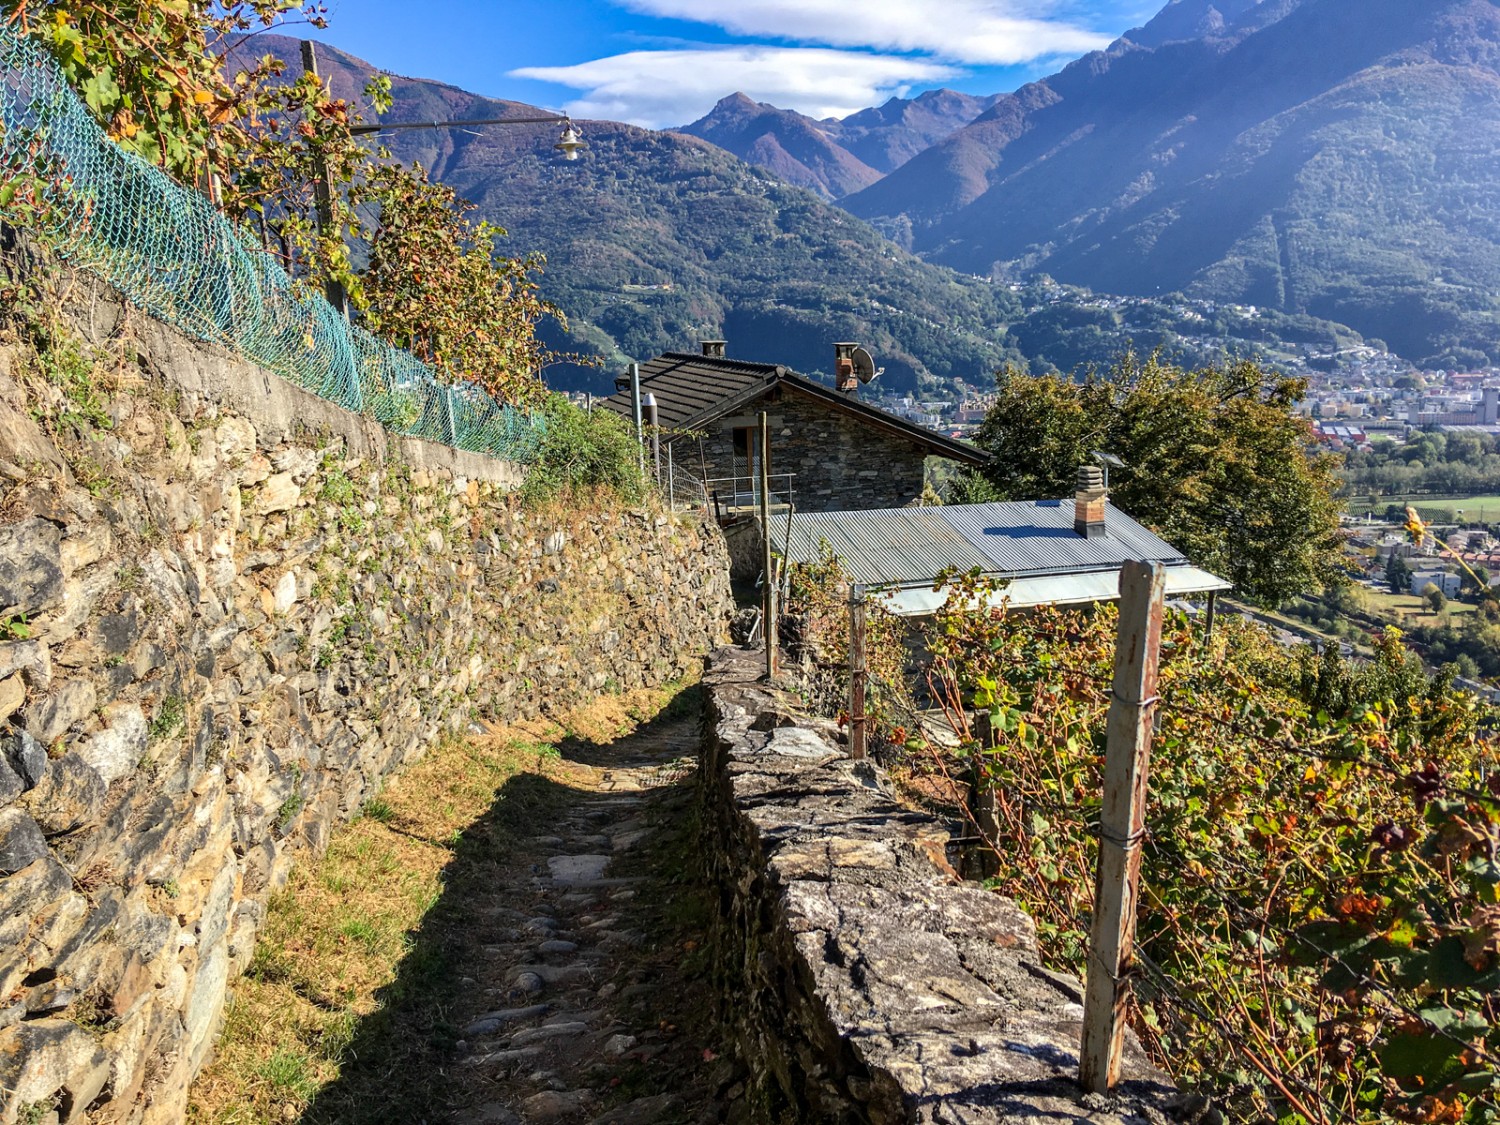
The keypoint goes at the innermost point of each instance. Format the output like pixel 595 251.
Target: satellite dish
pixel 864 366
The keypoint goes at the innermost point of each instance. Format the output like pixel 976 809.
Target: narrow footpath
pixel 585 1014
pixel 512 934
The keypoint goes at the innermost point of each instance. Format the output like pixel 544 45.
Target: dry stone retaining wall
pixel 228 610
pixel 864 982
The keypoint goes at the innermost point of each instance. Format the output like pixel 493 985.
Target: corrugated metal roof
pixel 1052 589
pixel 1038 535
pixel 884 546
pixel 1018 540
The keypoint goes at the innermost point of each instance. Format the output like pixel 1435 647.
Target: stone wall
pixel 840 463
pixel 866 983
pixel 228 610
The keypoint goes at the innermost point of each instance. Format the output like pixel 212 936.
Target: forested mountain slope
pixel 1333 157
pixel 656 239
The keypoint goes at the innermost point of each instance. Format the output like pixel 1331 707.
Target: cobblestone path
pixel 581 971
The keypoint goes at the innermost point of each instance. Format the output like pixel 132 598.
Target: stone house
pixel 829 451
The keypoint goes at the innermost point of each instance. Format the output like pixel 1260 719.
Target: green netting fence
pixel 172 253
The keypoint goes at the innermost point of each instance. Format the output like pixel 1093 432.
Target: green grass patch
pixel 1476 509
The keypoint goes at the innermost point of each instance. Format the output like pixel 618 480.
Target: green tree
pixel 1397 574
pixel 436 286
pixel 162 80
pixel 1216 462
pixel 1434 598
pixel 1475 581
pixel 151 71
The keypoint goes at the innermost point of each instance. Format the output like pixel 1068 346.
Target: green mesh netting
pixel 171 252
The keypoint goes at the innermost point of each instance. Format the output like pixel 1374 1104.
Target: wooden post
pixel 323 190
pixel 859 671
pixel 765 527
pixel 1208 623
pixel 980 860
pixel 1122 823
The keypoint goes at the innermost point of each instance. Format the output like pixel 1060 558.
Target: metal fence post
pixel 452 420
pixel 635 406
pixel 859 672
pixel 653 424
pixel 1122 823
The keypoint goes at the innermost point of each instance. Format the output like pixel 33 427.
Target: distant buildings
pixel 1446 581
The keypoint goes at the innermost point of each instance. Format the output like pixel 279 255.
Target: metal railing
pixel 732 495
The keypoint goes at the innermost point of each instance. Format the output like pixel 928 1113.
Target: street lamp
pixel 1108 461
pixel 569 144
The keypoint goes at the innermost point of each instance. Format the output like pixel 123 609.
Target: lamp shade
pixel 571 142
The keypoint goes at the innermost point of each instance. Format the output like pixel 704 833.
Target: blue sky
pixel 665 62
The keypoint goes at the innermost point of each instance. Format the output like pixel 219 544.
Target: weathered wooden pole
pixel 859 672
pixel 765 527
pixel 981 862
pixel 1122 823
pixel 323 190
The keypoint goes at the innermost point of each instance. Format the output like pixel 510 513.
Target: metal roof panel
pixel 1020 537
pixel 910 546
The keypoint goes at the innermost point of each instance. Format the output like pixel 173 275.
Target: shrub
pixel 584 451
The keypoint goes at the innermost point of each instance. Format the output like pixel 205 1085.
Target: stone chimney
pixel 713 349
pixel 844 378
pixel 1088 502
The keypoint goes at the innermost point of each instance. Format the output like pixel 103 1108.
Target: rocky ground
pixel 561 977
pixel 584 1010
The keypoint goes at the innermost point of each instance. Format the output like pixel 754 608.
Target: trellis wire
pixel 173 254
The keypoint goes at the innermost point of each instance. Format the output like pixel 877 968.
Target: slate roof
pixel 693 390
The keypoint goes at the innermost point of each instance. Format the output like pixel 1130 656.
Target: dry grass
pixel 356 933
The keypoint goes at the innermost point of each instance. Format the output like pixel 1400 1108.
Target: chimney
pixel 1088 502
pixel 713 349
pixel 844 378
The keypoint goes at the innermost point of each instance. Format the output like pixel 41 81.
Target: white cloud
pixel 659 89
pixel 985 32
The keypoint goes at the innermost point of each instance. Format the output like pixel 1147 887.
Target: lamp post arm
pixel 365 130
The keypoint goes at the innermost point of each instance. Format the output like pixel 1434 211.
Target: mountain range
pixel 836 156
pixel 1331 157
pixel 1330 162
pixel 657 239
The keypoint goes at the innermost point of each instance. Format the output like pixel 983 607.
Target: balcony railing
pixel 733 495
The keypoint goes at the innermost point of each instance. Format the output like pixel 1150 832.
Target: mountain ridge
pixel 655 240
pixel 835 157
pixel 1344 188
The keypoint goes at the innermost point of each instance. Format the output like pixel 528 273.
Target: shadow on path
pixel 558 978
